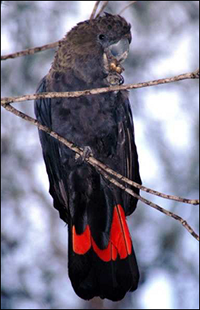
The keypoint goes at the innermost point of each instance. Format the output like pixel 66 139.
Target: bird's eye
pixel 101 37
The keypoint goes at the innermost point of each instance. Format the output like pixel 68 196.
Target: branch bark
pixel 87 92
pixel 34 50
pixel 30 51
pixel 102 8
pixel 126 7
pixel 106 170
pixel 94 9
pixel 151 204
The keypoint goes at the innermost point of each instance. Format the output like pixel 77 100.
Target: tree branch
pixel 126 7
pixel 105 170
pixel 97 163
pixel 34 50
pixel 151 204
pixel 102 8
pixel 94 9
pixel 185 76
pixel 30 51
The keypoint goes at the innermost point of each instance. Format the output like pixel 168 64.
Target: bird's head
pixel 95 46
pixel 110 29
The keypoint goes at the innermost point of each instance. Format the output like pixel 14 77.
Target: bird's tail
pixel 108 273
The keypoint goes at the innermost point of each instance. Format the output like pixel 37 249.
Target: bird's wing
pixel 127 150
pixel 51 154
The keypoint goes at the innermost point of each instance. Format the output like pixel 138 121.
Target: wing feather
pixel 127 151
pixel 51 154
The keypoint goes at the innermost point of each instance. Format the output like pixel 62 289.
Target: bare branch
pixel 151 204
pixel 102 168
pixel 102 8
pixel 34 50
pixel 30 51
pixel 94 9
pixel 141 187
pixel 126 7
pixel 28 118
pixel 193 75
pixel 97 163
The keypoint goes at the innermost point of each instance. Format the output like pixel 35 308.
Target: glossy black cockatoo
pixel 101 256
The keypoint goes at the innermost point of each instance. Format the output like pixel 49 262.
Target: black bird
pixel 101 256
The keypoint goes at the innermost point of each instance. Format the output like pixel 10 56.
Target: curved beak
pixel 129 37
pixel 120 50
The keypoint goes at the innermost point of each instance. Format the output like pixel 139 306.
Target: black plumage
pixel 101 258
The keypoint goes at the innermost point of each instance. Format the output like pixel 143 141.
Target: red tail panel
pixel 81 243
pixel 108 254
pixel 119 244
pixel 120 236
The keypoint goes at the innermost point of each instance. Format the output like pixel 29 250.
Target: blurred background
pixel 34 239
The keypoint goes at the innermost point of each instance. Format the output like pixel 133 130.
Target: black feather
pixel 83 197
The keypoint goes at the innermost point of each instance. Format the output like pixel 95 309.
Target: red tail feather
pixel 81 243
pixel 108 273
pixel 119 244
pixel 120 236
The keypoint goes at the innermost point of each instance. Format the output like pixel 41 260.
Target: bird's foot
pixel 114 79
pixel 87 152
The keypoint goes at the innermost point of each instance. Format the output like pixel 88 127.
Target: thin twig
pixel 126 7
pixel 193 75
pixel 151 204
pixel 34 50
pixel 94 9
pixel 105 3
pixel 143 188
pixel 97 163
pixel 94 163
pixel 30 51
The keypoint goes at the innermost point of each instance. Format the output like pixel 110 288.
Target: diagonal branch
pixel 102 8
pixel 151 204
pixel 141 187
pixel 102 168
pixel 30 51
pixel 94 9
pixel 126 7
pixel 87 92
pixel 97 163
pixel 34 50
